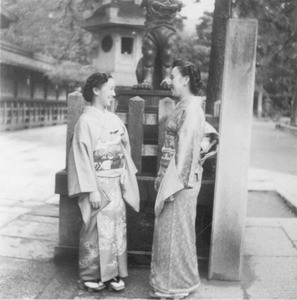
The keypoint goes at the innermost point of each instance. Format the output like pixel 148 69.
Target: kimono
pixel 174 266
pixel 99 160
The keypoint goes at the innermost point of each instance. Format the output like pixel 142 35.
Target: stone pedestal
pixel 233 157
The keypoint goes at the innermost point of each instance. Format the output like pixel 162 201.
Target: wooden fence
pixel 27 113
pixel 146 127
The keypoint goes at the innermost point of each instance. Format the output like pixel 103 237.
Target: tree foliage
pixel 53 28
pixel 69 72
pixel 196 47
pixel 277 46
pixel 221 15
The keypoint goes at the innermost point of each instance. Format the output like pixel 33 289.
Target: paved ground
pixel 29 160
pixel 272 149
pixel 273 161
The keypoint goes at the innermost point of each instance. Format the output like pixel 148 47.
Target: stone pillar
pixel 135 128
pixel 233 157
pixel 216 110
pixel 69 212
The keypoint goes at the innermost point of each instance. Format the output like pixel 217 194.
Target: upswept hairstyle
pixel 188 68
pixel 94 80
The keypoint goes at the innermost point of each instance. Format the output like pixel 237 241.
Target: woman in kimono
pixel 174 266
pixel 99 167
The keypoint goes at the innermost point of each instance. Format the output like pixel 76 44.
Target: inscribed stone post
pixel 233 157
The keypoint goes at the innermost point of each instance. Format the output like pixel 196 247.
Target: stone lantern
pixel 119 26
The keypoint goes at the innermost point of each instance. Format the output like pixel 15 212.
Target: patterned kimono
pixel 99 159
pixel 174 267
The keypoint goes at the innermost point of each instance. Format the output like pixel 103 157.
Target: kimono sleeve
pixel 189 136
pixel 81 172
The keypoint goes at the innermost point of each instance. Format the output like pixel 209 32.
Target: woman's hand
pixel 95 199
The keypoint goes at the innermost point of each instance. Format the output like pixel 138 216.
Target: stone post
pixel 216 110
pixel 233 157
pixel 135 128
pixel 69 212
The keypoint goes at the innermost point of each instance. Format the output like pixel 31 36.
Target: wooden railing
pixel 146 126
pixel 27 113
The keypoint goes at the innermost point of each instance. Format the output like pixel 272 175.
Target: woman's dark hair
pixel 188 68
pixel 95 80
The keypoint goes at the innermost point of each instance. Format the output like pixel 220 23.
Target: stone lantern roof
pixel 114 13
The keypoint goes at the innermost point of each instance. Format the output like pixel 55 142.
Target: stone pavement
pixel 29 227
pixel 272 149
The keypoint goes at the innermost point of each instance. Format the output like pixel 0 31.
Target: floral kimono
pixel 174 267
pixel 99 159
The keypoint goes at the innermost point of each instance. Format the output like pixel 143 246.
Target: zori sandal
pixel 91 286
pixel 116 284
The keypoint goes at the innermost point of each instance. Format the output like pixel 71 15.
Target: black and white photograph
pixel 148 149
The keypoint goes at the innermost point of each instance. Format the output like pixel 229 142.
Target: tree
pixel 196 48
pixel 202 51
pixel 277 48
pixel 222 13
pixel 53 28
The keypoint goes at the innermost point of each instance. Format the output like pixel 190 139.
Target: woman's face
pixel 178 82
pixel 106 93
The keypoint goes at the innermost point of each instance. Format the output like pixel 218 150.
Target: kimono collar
pixel 192 99
pixel 94 112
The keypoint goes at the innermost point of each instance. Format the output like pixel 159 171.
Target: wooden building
pixel 27 97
